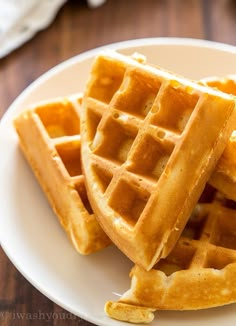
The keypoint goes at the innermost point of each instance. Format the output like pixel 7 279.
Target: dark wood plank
pixel 77 29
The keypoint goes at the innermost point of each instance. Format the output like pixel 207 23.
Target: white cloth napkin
pixel 20 20
pixel 95 3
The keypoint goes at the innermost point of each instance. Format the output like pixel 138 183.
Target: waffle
pixel 150 140
pixel 49 134
pixel 224 176
pixel 226 84
pixel 199 273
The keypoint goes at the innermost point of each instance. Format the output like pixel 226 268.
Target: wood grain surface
pixel 76 29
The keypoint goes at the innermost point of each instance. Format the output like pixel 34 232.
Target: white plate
pixel 30 234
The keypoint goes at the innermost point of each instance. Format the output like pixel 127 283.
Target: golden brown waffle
pixel 226 84
pixel 49 135
pixel 199 273
pixel 150 141
pixel 224 176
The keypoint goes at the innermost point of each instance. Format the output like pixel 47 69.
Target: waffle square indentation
pixel 196 223
pixel 151 157
pixel 136 95
pixel 117 145
pixel 59 119
pixel 174 108
pixel 225 230
pixel 80 188
pixel 129 201
pixel 70 156
pixel 179 259
pixel 103 177
pixel 93 119
pixel 103 88
pixel 218 258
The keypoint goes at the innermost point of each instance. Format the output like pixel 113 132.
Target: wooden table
pixel 75 30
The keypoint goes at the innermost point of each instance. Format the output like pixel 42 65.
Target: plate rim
pixel 177 41
pixel 173 41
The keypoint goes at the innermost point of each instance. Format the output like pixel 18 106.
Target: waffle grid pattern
pixel 208 240
pixel 203 262
pixel 123 124
pixel 50 138
pixel 224 177
pixel 62 125
pixel 135 133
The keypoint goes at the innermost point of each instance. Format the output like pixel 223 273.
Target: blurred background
pixel 76 26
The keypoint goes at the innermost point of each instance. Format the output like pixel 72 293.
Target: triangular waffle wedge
pixel 224 176
pixel 150 141
pixel 199 273
pixel 49 135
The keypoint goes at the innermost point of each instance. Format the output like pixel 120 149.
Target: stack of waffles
pixel 144 159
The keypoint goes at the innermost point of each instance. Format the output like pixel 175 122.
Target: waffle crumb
pixel 129 313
